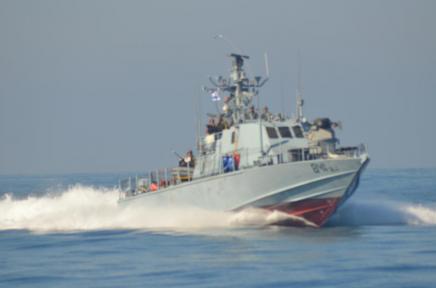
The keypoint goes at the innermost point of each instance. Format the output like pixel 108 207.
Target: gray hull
pixel 311 190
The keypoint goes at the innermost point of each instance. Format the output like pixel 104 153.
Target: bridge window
pixel 298 132
pixel 285 132
pixel 272 132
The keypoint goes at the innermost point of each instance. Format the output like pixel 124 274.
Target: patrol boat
pixel 256 160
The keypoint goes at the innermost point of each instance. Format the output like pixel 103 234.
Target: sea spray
pixel 81 208
pixel 420 215
pixel 383 212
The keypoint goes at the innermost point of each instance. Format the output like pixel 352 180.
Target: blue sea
pixel 67 231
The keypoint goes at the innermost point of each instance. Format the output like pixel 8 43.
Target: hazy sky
pixel 100 86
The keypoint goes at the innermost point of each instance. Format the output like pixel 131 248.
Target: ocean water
pixel 67 231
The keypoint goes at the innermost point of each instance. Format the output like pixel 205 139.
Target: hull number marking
pixel 322 168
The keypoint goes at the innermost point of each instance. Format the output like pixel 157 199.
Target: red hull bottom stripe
pixel 309 212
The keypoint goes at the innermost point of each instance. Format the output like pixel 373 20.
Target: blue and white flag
pixel 215 96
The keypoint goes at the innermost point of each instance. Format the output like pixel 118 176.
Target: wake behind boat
pixel 255 159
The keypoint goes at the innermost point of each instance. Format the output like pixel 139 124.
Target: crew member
pixel 266 115
pixel 211 126
pixel 252 114
pixel 153 186
pixel 222 124
pixel 188 160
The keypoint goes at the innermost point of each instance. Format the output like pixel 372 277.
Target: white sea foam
pixel 89 208
pixel 420 215
pixel 384 212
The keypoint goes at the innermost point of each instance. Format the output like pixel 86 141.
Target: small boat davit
pixel 252 158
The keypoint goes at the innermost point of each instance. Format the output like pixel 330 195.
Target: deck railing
pixel 156 180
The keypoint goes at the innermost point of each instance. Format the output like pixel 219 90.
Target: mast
pixel 299 94
pixel 240 87
pixel 239 79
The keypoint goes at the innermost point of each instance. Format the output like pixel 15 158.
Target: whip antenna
pixel 266 65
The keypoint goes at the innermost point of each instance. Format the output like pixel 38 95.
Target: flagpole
pixel 216 98
pixel 217 108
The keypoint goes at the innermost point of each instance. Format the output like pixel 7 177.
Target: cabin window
pixel 285 132
pixel 298 132
pixel 272 132
pixel 233 137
